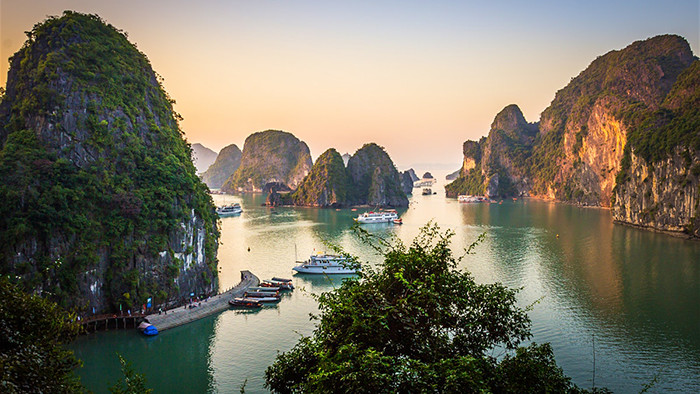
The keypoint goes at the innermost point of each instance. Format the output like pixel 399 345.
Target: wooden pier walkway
pixel 183 315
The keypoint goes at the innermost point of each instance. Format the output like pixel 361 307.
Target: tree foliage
pixel 33 332
pixel 134 383
pixel 417 324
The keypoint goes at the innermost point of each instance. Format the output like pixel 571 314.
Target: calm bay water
pixel 636 294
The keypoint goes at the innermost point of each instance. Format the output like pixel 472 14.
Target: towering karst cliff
pixel 226 164
pixel 375 178
pixel 658 185
pixel 101 206
pixel 576 150
pixel 270 156
pixel 327 185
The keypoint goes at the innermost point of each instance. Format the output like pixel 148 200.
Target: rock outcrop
pixel 327 185
pixel 101 203
pixel 413 175
pixel 202 157
pixel 270 156
pixel 375 178
pixel 406 182
pixel 581 143
pixel 226 164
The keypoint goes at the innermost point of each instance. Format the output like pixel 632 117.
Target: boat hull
pixel 323 270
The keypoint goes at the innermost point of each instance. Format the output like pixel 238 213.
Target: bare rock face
pixel 101 203
pixel 270 156
pixel 226 164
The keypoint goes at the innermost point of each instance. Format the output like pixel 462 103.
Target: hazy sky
pixel 417 77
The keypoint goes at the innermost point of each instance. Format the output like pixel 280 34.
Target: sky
pixel 417 77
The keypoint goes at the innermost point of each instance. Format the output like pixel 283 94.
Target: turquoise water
pixel 635 293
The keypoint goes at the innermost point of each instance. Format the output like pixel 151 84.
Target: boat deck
pixel 183 315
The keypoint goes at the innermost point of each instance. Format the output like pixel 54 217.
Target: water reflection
pixel 636 292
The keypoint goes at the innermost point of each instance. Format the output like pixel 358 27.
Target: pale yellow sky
pixel 416 77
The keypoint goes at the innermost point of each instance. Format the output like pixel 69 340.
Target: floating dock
pixel 183 315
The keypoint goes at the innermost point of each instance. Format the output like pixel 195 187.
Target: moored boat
pixel 245 303
pixel 262 297
pixel 148 329
pixel 266 289
pixel 281 279
pixel 397 221
pixel 322 263
pixel 261 294
pixel 274 283
pixel 384 216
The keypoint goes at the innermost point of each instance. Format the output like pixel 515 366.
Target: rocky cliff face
pixel 226 164
pixel 658 185
pixel 576 150
pixel 327 185
pixel 202 157
pixel 101 204
pixel 406 182
pixel 375 178
pixel 270 156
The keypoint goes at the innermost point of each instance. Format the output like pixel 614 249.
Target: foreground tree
pixel 418 324
pixel 33 332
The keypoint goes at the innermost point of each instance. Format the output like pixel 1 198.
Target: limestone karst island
pixel 387 197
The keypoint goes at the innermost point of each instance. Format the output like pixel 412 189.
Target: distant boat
pixel 322 263
pixel 377 217
pixel 398 221
pixel 471 199
pixel 427 191
pixel 261 297
pixel 278 279
pixel 229 210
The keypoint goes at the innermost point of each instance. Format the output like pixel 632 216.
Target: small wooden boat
pixel 245 303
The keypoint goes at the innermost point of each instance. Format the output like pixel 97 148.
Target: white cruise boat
pixel 322 263
pixel 377 217
pixel 229 210
pixel 471 199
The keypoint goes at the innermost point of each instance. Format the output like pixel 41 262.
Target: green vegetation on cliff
pixel 328 183
pixel 227 162
pixel 473 183
pixel 270 156
pixel 375 178
pixel 97 179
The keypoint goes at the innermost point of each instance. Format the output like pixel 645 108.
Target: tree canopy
pixel 418 324
pixel 33 332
